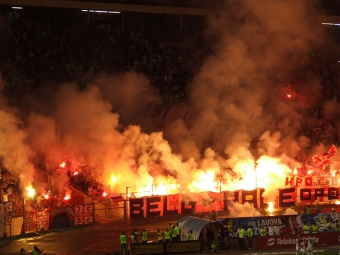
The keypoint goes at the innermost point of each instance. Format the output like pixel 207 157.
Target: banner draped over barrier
pixel 83 214
pixel 289 241
pixel 326 222
pixel 36 221
pixel 205 202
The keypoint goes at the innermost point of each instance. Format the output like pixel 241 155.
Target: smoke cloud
pixel 242 130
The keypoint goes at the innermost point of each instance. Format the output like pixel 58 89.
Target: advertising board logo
pixel 183 247
pixel 271 241
pixel 147 249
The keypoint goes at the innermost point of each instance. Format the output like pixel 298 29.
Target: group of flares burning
pixel 268 173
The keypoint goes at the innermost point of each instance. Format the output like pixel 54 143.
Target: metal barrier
pixel 109 211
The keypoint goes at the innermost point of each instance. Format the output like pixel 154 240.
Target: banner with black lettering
pixel 285 224
pixel 255 222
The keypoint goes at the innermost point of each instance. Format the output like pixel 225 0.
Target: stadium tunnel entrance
pixel 60 221
pixel 201 228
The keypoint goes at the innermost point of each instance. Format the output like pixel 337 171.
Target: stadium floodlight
pixel 101 11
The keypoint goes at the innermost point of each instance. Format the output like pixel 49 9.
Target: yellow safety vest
pixel 167 235
pixel 122 239
pixel 145 236
pixel 159 235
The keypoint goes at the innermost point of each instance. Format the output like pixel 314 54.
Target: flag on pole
pixel 323 160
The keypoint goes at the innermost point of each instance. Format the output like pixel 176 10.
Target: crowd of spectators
pixel 55 50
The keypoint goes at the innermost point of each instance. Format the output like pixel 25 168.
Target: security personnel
pixel 144 236
pixel 213 247
pixel 167 235
pixel 242 236
pixel 263 231
pixel 36 251
pixel 219 236
pixel 159 236
pixel 315 229
pixel 133 239
pixel 213 215
pixel 123 239
pixel 250 235
pixel 178 232
pixel 191 236
pixel 306 229
pixel 173 235
pixel 135 235
pixel 171 228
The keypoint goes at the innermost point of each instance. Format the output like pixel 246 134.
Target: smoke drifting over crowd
pixel 241 132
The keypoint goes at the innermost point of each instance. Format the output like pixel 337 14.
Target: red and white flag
pixel 323 160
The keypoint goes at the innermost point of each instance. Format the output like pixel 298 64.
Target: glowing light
pixel 62 165
pixel 161 190
pixel 270 207
pixel 67 197
pixel 75 173
pixel 289 95
pixel 104 194
pixel 295 171
pixel 100 11
pixel 310 171
pixel 17 7
pixel 204 181
pixel 46 196
pixel 30 191
pixel 113 179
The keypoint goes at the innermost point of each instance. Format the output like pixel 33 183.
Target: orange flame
pixel 30 191
pixel 270 207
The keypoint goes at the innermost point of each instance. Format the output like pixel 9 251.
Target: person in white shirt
pixel 297 244
pixel 310 244
pixel 270 231
pixel 276 230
